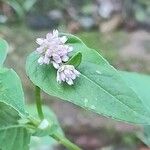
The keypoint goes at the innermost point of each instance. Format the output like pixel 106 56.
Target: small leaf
pixel 11 92
pixel 14 138
pixel 100 88
pixel 75 60
pixel 3 50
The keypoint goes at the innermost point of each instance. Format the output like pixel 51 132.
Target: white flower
pixel 67 73
pixel 53 49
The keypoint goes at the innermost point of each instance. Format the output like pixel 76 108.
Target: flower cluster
pixel 67 73
pixel 53 50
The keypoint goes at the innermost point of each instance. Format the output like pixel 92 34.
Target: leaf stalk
pixel 39 102
pixel 65 142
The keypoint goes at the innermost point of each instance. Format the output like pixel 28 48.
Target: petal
pixel 77 72
pixel 70 49
pixel 55 65
pixel 41 60
pixel 62 52
pixel 55 33
pixel 70 82
pixel 67 72
pixel 65 58
pixel 58 78
pixel 61 68
pixel 63 39
pixel 57 58
pixel 49 36
pixel 73 76
pixel 48 53
pixel 71 67
pixel 39 41
pixel 46 60
pixel 40 50
pixel 62 76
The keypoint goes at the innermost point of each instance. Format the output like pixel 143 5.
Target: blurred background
pixel 117 29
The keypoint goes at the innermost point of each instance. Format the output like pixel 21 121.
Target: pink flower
pixel 67 73
pixel 53 49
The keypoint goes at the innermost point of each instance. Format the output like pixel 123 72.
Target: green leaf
pixel 100 88
pixel 38 143
pixel 50 116
pixel 28 4
pixel 8 116
pixel 11 92
pixel 3 50
pixel 14 138
pixel 140 83
pixel 144 135
pixel 17 8
pixel 75 60
pixel 12 135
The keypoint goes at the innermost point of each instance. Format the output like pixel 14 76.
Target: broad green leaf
pixel 50 116
pixel 14 138
pixel 8 116
pixel 100 88
pixel 11 92
pixel 140 83
pixel 3 50
pixel 75 60
pixel 12 135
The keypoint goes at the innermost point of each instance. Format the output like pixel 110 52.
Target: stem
pixel 38 102
pixel 64 141
pixel 61 139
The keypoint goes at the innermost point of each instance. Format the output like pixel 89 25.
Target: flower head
pixel 67 73
pixel 53 49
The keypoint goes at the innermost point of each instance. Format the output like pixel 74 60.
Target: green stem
pixel 64 141
pixel 38 102
pixel 61 139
